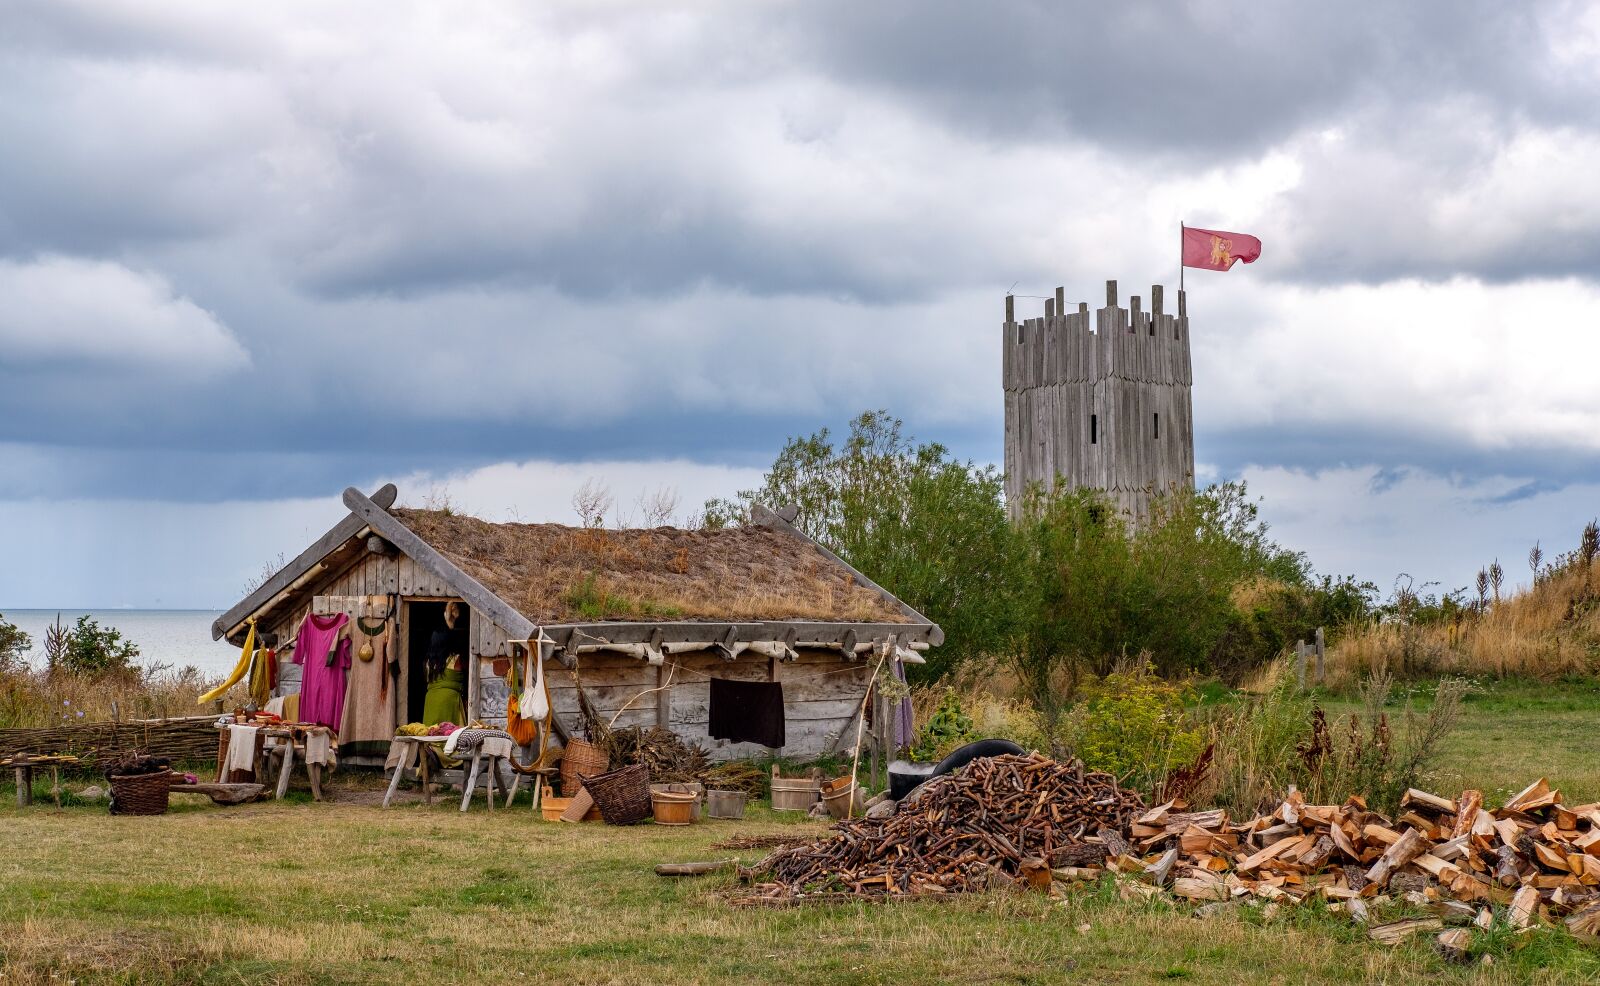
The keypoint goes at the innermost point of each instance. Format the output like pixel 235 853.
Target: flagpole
pixel 1180 256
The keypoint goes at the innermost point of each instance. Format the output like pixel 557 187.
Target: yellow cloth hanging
pixel 263 675
pixel 238 672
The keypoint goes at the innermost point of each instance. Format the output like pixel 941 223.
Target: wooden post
pixel 1300 665
pixel 1322 673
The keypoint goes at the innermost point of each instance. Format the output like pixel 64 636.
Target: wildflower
pixel 66 701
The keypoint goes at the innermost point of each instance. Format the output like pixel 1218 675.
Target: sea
pixel 176 637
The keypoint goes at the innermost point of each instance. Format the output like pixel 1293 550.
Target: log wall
pixel 1101 402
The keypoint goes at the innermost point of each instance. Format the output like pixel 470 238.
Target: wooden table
pixel 421 743
pixel 286 735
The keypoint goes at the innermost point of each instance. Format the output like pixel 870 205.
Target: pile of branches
pixel 136 764
pixel 663 751
pixel 967 831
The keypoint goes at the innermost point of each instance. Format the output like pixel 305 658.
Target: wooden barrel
pixel 795 793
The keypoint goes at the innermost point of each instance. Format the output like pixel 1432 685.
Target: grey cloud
pixel 1193 80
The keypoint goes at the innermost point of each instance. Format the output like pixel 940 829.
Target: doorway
pixel 430 641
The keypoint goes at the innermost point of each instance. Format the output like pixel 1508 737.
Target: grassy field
pixel 346 892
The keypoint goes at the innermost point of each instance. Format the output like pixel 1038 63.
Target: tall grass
pixel 31 698
pixel 1547 631
pixel 1282 737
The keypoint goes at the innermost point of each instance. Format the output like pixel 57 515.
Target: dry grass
pixel 1549 631
pixel 29 698
pixel 553 573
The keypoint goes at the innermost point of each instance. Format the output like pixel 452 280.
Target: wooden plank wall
pixel 818 708
pixel 1126 373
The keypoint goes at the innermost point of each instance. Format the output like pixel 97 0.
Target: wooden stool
pixel 498 751
pixel 419 747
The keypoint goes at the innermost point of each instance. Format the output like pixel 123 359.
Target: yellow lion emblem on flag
pixel 1221 251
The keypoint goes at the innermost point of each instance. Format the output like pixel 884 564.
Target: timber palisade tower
pixel 1104 405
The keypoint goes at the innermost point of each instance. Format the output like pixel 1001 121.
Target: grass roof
pixel 556 574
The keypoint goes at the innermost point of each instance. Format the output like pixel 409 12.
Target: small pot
pixel 841 796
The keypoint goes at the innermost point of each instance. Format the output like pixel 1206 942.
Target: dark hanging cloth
pixel 747 711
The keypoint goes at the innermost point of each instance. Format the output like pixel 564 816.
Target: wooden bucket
pixel 836 795
pixel 581 759
pixel 795 793
pixel 695 788
pixel 725 804
pixel 673 807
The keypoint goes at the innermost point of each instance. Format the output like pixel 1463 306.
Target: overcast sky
pixel 252 254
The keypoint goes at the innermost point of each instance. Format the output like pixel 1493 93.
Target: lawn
pixel 345 892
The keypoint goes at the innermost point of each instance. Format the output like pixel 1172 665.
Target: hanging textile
pixel 368 720
pixel 263 677
pixel 904 728
pixel 245 654
pixel 323 652
pixel 747 711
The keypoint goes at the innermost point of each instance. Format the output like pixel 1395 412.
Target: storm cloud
pixel 254 254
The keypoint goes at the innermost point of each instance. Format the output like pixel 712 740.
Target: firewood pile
pixel 1535 856
pixel 999 819
pixel 1028 821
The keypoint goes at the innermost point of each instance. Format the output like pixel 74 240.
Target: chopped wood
pixel 1524 908
pixel 1195 888
pixel 1408 847
pixel 1455 945
pixel 1467 809
pixel 1395 932
pixel 1534 796
pixel 1585 923
pixel 1431 802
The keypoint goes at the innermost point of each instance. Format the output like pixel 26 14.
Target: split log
pixel 1524 908
pixel 1115 844
pixel 1395 932
pixel 1455 944
pixel 1408 847
pixel 1161 870
pixel 1468 806
pixel 1432 802
pixel 1197 888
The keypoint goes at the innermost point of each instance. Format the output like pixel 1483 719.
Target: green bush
pixel 94 650
pixel 946 730
pixel 1136 727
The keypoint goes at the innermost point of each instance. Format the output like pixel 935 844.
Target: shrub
pixel 95 650
pixel 1135 726
pixel 1279 738
pixel 945 731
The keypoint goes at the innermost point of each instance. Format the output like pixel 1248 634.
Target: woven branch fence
pixel 186 738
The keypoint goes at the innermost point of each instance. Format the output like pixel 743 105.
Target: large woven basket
pixel 622 795
pixel 581 759
pixel 141 794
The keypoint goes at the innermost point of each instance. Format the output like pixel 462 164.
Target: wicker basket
pixel 141 794
pixel 622 795
pixel 581 759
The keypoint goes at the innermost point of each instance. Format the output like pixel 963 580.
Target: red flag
pixel 1214 249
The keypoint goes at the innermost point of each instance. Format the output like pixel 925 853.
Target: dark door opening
pixel 430 644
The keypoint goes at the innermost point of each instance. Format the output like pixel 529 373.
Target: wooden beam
pixel 341 532
pixel 483 602
pixel 767 518
pixel 792 633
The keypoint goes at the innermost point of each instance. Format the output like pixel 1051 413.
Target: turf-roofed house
pixel 654 626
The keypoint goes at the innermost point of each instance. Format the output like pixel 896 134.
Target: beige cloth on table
pixel 241 749
pixel 319 748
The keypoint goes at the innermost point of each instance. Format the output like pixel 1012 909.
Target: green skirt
pixel 445 700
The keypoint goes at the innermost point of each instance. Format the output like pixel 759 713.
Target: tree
pixel 13 644
pixel 926 526
pixel 92 649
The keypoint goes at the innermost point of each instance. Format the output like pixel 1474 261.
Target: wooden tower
pixel 1103 404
